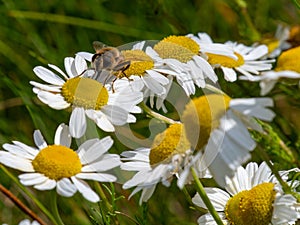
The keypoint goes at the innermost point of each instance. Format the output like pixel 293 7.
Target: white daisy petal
pixel 65 187
pixel 241 181
pixel 55 101
pixel 208 70
pixel 85 146
pixel 217 197
pixel 85 190
pixel 254 107
pixel 158 77
pixel 153 85
pixel 77 122
pixel 105 124
pixel 46 185
pixel 86 55
pixel 96 150
pixel 58 70
pixel 46 87
pixel 229 74
pixel 39 139
pixel 69 66
pixel 48 76
pixel 284 210
pixel 15 162
pixel 29 179
pixel 100 177
pixel 62 136
pixel 21 150
pixel 262 174
pixel 266 86
pixel 115 114
pixel 208 219
pixel 135 166
pixel 80 64
pixel 108 162
pixel 136 180
pixel 257 53
pixel 147 192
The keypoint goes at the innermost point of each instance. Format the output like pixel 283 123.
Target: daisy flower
pixel 279 43
pixel 287 67
pixel 58 166
pixel 251 197
pixel 27 222
pixel 87 97
pixel 206 45
pixel 169 155
pixel 181 54
pixel 142 69
pixel 247 63
pixel 218 125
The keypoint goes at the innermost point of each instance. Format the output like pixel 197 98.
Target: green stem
pixel 189 199
pixel 103 196
pixel 297 3
pixel 21 205
pixel 54 208
pixel 205 199
pixel 156 115
pixel 30 195
pixel 254 35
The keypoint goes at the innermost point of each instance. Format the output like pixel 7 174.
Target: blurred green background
pixel 40 32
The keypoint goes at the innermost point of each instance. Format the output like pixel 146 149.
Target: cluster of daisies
pixel 211 136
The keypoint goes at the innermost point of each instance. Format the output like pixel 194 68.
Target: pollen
pixel 57 162
pixel 139 62
pixel 168 143
pixel 201 115
pixel 85 92
pixel 215 59
pixel 169 50
pixel 253 207
pixel 184 42
pixel 289 60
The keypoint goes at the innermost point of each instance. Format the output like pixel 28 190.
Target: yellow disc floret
pixel 253 207
pixel 85 92
pixel 184 42
pixel 168 143
pixel 225 61
pixel 169 50
pixel 57 162
pixel 289 60
pixel 139 62
pixel 202 115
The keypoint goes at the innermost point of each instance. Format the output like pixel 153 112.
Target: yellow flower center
pixel 184 42
pixel 57 162
pixel 177 47
pixel 289 60
pixel 85 92
pixel 139 62
pixel 225 61
pixel 253 207
pixel 168 143
pixel 202 115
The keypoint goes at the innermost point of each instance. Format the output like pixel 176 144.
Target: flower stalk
pixel 205 199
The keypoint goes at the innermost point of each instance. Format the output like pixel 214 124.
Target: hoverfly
pixel 109 63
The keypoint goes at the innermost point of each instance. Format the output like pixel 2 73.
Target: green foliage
pixel 45 32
